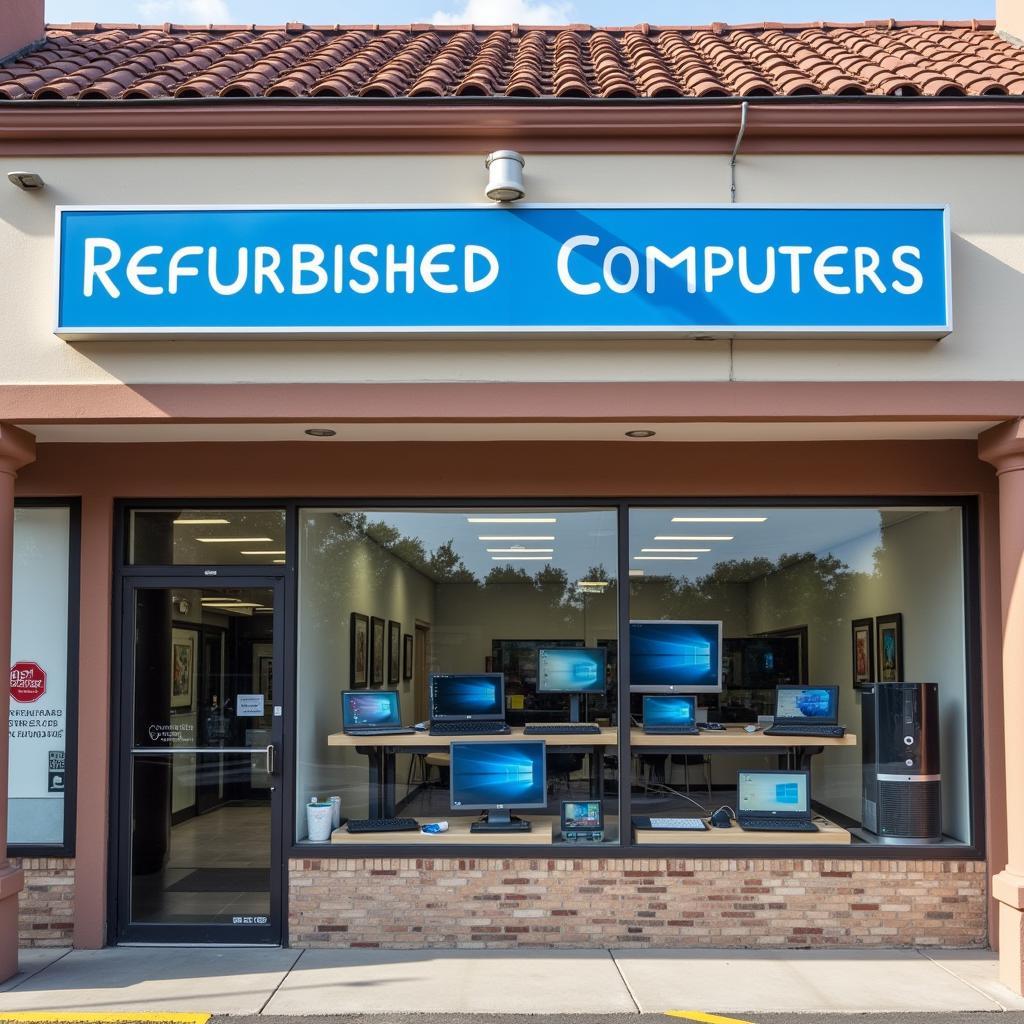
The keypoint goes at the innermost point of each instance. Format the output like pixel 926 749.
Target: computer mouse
pixel 421 725
pixel 722 818
pixel 750 728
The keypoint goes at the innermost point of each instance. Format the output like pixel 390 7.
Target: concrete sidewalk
pixel 628 982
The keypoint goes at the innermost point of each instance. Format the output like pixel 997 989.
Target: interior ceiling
pixel 519 431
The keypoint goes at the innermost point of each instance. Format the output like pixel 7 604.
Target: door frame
pixel 121 931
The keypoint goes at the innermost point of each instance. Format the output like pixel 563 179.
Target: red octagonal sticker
pixel 28 682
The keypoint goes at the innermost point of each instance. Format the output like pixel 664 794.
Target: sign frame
pixel 840 332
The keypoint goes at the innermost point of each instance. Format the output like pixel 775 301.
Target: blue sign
pixel 688 271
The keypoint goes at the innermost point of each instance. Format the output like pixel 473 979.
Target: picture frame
pixel 263 670
pixel 407 653
pixel 183 668
pixel 862 637
pixel 377 651
pixel 359 651
pixel 394 652
pixel 889 647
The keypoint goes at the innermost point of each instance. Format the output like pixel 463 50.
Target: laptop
pixel 772 801
pixel 806 711
pixel 371 713
pixel 670 715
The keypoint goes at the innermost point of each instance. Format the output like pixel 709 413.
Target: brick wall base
pixel 658 903
pixel 46 905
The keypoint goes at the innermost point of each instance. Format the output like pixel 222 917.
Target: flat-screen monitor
pixel 467 695
pixel 818 704
pixel 571 670
pixel 770 661
pixel 675 656
pixel 663 709
pixel 495 776
pixel 370 708
pixel 773 793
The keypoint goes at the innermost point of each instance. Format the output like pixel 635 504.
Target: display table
pixel 381 751
pixel 458 834
pixel 828 834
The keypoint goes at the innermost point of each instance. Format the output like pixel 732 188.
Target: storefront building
pixel 293 419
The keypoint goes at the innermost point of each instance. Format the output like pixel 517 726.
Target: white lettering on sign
pixel 834 269
pixel 302 269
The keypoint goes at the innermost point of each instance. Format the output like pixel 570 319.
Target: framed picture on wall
pixel 863 637
pixel 407 657
pixel 183 668
pixel 394 652
pixel 376 651
pixel 359 652
pixel 889 630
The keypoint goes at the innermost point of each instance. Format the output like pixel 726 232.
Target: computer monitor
pixel 773 794
pixel 370 708
pixel 675 656
pixel 818 704
pixel 571 670
pixel 495 776
pixel 661 709
pixel 467 696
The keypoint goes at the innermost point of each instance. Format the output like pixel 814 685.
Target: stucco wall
pixel 988 262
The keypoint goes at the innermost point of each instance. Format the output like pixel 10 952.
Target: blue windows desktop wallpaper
pixel 675 654
pixel 485 774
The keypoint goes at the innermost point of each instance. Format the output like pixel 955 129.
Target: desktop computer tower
pixel 902 775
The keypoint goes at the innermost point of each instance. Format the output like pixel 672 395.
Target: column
pixel 17 449
pixel 1003 447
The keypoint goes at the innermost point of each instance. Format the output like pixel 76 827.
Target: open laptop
pixel 373 713
pixel 774 802
pixel 670 715
pixel 806 711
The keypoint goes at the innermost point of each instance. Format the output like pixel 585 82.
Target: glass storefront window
pixel 39 712
pixel 739 614
pixel 458 618
pixel 204 536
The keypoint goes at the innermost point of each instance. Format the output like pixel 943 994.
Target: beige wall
pixel 988 261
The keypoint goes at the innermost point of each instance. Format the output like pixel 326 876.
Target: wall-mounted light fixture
pixel 505 176
pixel 27 181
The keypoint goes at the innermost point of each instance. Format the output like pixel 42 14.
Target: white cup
pixel 318 822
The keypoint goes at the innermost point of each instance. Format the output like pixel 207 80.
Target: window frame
pixel 65 849
pixel 967 504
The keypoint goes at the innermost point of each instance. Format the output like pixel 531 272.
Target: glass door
pixel 199 856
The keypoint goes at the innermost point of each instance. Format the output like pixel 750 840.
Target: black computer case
pixel 902 772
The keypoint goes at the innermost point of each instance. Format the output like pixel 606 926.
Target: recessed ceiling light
pixel 230 604
pixel 636 572
pixel 640 433
pixel 676 551
pixel 235 540
pixel 261 552
pixel 664 558
pixel 520 551
pixel 201 522
pixel 665 536
pixel 511 519
pixel 496 536
pixel 593 583
pixel 277 561
pixel 719 519
pixel 321 432
pixel 520 558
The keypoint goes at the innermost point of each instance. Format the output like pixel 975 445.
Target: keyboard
pixel 382 824
pixel 469 729
pixel 379 730
pixel 776 825
pixel 670 730
pixel 563 729
pixel 824 731
pixel 677 824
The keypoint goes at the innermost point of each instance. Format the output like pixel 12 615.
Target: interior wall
pixel 357 575
pixel 919 573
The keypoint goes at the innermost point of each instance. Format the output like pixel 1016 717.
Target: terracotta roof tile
pixel 90 61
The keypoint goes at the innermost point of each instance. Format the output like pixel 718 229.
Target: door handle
pixel 270 758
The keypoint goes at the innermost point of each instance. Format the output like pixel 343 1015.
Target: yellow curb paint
pixel 705 1018
pixel 104 1018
